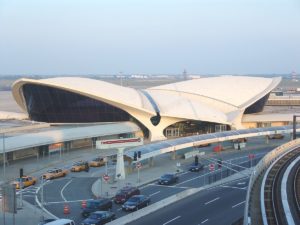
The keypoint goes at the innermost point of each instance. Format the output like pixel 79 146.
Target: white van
pixel 61 222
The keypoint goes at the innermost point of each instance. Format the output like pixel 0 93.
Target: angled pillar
pixel 120 169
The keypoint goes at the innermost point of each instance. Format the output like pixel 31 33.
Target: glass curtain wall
pixel 52 105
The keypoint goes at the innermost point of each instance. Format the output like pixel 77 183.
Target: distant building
pixel 188 107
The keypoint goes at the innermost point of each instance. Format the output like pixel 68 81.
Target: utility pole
pixel 294 126
pixel 4 156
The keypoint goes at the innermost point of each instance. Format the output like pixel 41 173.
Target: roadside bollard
pixel 83 204
pixel 66 209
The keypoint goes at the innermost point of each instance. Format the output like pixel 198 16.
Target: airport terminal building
pixel 188 107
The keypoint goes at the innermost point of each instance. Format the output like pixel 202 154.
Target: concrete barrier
pixel 262 166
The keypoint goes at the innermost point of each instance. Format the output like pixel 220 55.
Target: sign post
pixel 251 157
pixel 138 166
pixel 120 144
pixel 212 167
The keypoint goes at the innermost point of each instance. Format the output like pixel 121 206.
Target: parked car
pixel 54 173
pixel 96 205
pixel 125 193
pixel 136 202
pixel 99 217
pixel 79 166
pixel 97 162
pixel 24 181
pixel 196 167
pixel 276 136
pixel 168 178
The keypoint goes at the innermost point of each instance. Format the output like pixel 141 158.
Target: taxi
pixel 54 173
pixel 97 162
pixel 25 181
pixel 79 166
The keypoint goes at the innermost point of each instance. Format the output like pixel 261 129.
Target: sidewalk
pixel 28 215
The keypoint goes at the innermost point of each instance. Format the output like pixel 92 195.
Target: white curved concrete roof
pixel 215 99
pixel 238 91
pixel 95 89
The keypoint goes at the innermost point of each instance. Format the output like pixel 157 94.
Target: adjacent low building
pixel 194 106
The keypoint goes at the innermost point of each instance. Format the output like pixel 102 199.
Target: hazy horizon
pixel 64 37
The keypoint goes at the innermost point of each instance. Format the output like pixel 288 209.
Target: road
pixel 220 205
pixel 76 187
pixel 72 190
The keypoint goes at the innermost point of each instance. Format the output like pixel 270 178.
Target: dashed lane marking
pixel 154 193
pixel 206 203
pixel 238 204
pixel 204 221
pixel 233 187
pixel 168 186
pixel 172 220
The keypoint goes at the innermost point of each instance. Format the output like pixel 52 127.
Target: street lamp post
pixel 4 156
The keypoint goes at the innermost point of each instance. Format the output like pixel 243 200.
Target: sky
pixel 84 37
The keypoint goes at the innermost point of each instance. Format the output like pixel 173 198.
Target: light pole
pixel 4 156
pixel 294 126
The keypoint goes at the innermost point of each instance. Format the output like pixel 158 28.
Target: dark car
pixel 99 217
pixel 125 193
pixel 136 202
pixel 196 167
pixel 96 205
pixel 168 179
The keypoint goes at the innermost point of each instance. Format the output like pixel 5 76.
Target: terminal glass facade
pixel 258 106
pixel 192 127
pixel 52 105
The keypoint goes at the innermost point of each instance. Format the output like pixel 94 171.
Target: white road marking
pixel 80 200
pixel 204 221
pixel 233 187
pixel 172 220
pixel 167 186
pixel 61 192
pixel 154 193
pixel 238 204
pixel 206 203
pixel 40 205
pixel 194 178
pixel 241 183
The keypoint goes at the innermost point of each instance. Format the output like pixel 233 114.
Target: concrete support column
pixel 267 140
pixel 173 156
pixel 151 162
pixel 120 169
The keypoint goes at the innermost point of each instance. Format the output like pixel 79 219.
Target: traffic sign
pixel 138 165
pixel 106 177
pixel 251 156
pixel 211 167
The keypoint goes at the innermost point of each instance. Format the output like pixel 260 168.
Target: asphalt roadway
pixel 76 187
pixel 219 205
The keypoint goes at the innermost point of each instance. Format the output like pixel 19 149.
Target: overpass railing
pixel 261 168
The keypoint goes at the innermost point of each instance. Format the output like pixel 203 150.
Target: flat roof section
pixel 66 133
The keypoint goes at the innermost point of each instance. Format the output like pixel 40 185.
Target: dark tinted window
pixel 54 105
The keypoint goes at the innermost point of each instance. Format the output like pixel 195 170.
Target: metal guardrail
pixel 262 166
pixel 271 201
